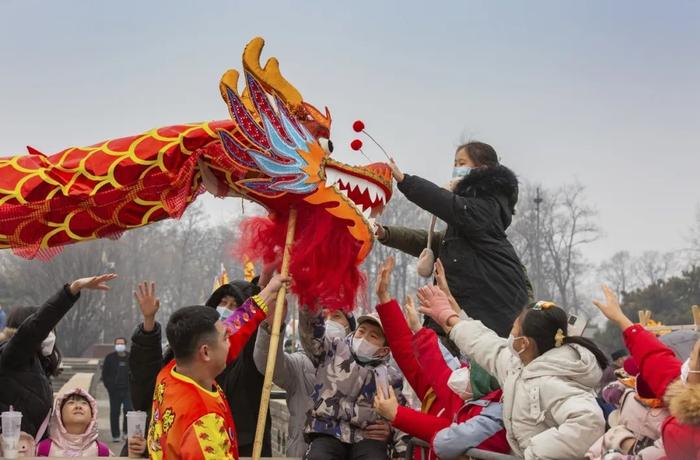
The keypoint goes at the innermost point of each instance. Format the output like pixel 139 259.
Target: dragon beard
pixel 320 238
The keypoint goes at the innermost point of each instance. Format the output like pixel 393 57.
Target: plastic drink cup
pixel 11 428
pixel 136 423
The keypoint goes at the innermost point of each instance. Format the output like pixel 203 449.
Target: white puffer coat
pixel 549 406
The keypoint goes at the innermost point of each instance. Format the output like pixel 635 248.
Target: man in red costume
pixel 191 418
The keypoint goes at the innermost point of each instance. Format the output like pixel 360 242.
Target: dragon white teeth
pixel 347 184
pixel 372 194
pixel 361 187
pixel 381 197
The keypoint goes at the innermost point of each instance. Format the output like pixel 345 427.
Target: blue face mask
pixel 460 172
pixel 223 312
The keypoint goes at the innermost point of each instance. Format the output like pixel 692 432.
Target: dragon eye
pixel 326 144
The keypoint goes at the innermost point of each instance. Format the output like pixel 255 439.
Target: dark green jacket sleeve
pixel 409 240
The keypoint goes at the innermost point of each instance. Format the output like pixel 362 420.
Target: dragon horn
pixel 230 80
pixel 270 76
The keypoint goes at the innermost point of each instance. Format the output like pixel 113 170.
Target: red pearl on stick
pixel 356 144
pixel 358 126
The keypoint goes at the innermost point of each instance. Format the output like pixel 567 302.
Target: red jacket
pixel 660 369
pixel 424 367
pixel 400 339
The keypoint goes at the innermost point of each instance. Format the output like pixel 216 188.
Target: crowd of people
pixel 491 368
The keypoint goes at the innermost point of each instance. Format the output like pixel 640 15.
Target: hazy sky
pixel 605 92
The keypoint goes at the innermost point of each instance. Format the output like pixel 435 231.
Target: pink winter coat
pixel 64 444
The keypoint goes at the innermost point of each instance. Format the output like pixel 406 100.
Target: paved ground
pixel 103 419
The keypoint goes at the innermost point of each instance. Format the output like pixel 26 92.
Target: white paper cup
pixel 136 423
pixel 11 428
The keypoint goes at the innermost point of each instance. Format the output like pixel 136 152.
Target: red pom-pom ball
pixel 358 126
pixel 356 144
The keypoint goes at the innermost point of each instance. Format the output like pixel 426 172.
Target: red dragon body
pixel 273 150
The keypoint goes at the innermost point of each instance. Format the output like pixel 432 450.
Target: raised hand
pixel 383 278
pixel 386 406
pixel 379 231
pixel 411 315
pixel 269 292
pixel 436 304
pixel 149 304
pixel 441 279
pixel 396 172
pixel 97 283
pixel 612 310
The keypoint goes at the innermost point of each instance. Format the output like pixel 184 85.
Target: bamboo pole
pixel 695 309
pixel 274 339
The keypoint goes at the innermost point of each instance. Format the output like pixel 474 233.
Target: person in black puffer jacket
pixel 241 381
pixel 483 270
pixel 29 357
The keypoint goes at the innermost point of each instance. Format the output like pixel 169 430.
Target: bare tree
pixel 526 235
pixel 653 266
pixel 36 281
pixel 183 257
pixel 549 232
pixel 618 272
pixel 568 227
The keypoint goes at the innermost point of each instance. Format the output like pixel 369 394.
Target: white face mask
pixel 335 330
pixel 511 345
pixel 364 350
pixel 48 344
pixel 223 312
pixel 460 383
pixel 460 171
pixel 120 348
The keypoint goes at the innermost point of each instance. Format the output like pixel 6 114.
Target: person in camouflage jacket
pixel 348 372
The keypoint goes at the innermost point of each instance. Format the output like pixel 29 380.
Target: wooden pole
pixel 274 339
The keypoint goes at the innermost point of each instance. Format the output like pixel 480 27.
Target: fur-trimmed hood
pixel 7 334
pixel 238 289
pixel 495 180
pixel 683 402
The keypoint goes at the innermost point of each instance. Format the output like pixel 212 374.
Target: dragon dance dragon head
pixel 275 150
pixel 280 150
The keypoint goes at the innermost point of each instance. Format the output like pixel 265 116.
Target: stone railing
pixel 278 431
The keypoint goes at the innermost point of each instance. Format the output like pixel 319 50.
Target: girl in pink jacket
pixel 73 428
